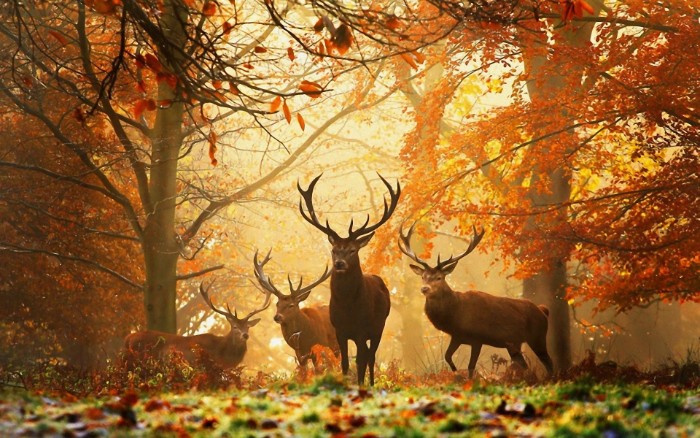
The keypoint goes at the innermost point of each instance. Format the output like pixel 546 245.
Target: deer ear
pixel 449 268
pixel 302 297
pixel 364 240
pixel 417 269
pixel 252 322
pixel 331 240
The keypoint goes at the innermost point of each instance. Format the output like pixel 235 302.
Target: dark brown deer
pixel 359 302
pixel 302 328
pixel 223 351
pixel 476 318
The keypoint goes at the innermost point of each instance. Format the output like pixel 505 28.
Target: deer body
pixel 312 326
pixel 359 303
pixel 476 318
pixel 302 328
pixel 223 351
pixel 359 307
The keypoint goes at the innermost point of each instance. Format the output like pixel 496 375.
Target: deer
pixel 359 303
pixel 302 328
pixel 223 351
pixel 477 318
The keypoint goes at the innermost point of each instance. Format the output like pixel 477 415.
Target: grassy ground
pixel 583 406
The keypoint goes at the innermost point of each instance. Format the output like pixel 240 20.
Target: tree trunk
pixel 160 245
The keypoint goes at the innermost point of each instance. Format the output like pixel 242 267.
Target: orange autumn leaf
pixel 165 103
pixel 234 89
pixel 216 84
pixel 259 49
pixel 227 27
pixel 168 78
pixel 212 147
pixel 311 89
pixel 409 60
pixel 287 113
pixel 586 7
pixel 275 105
pixel 59 37
pixel 290 54
pixel 302 123
pixel 393 23
pixel 209 8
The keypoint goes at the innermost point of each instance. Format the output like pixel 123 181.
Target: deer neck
pixel 348 283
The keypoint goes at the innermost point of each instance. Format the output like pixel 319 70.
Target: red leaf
pixel 259 49
pixel 209 8
pixel 248 65
pixel 165 103
pixel 318 27
pixel 311 89
pixel 216 84
pixel 290 54
pixel 143 105
pixel 300 119
pixel 342 40
pixel 234 89
pixel 227 28
pixel 393 23
pixel 168 78
pixel 287 113
pixel 153 63
pixel 140 61
pixel 59 37
pixel 275 105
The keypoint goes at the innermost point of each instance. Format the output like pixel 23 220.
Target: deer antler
pixel 299 293
pixel 311 216
pixel 405 246
pixel 263 278
pixel 388 210
pixel 453 260
pixel 228 313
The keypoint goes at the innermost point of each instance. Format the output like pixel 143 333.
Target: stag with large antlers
pixel 359 303
pixel 476 318
pixel 223 351
pixel 302 328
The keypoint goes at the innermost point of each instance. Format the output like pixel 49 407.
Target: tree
pixel 148 85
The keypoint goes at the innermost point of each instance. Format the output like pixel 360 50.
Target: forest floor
pixel 326 406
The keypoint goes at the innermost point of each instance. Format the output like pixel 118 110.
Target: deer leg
pixel 474 355
pixel 373 346
pixel 516 355
pixel 454 345
pixel 361 360
pixel 344 361
pixel 540 349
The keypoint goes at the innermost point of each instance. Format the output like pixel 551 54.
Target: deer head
pixel 345 249
pixel 287 305
pixel 434 276
pixel 239 326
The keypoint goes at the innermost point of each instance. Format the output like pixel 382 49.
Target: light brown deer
pixel 302 328
pixel 223 351
pixel 359 303
pixel 476 318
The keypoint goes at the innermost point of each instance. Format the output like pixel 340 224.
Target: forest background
pixel 148 147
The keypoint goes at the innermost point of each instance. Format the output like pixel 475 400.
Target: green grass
pixel 327 406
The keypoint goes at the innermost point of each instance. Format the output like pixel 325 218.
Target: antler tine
pixel 388 210
pixel 207 299
pixel 405 246
pixel 453 260
pixel 266 304
pixel 263 278
pixel 300 293
pixel 310 217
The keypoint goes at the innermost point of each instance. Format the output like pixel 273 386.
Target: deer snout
pixel 340 265
pixel 425 289
pixel 245 336
pixel 278 318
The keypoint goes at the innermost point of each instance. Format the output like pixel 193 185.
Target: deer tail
pixel 544 309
